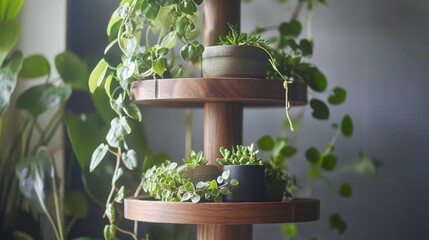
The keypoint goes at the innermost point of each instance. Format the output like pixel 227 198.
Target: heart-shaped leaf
pixel 41 98
pixel 8 77
pixel 347 126
pixel 337 223
pixel 9 32
pixel 72 70
pixel 98 155
pixel 320 109
pixel 97 75
pixel 338 96
pixel 345 190
pixel 312 155
pixel 329 162
pixel 130 159
pixel 266 143
pixel 35 66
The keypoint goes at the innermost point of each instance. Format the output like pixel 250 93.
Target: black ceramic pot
pixel 251 187
pixel 274 192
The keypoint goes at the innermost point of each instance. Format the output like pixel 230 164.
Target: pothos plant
pixel 162 23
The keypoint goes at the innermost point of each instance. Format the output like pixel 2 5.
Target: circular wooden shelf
pixel 197 91
pixel 227 213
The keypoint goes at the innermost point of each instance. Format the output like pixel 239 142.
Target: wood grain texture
pixel 197 91
pixel 224 232
pixel 223 126
pixel 217 14
pixel 296 210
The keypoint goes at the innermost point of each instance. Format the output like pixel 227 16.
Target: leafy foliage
pixel 195 159
pixel 165 183
pixel 241 155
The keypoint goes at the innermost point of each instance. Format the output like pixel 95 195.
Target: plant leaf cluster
pixel 195 159
pixel 165 183
pixel 240 155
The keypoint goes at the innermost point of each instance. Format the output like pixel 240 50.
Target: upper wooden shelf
pixel 228 213
pixel 197 91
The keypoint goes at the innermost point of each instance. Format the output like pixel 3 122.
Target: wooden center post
pixel 223 121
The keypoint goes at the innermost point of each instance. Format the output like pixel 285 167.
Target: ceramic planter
pixel 251 187
pixel 199 173
pixel 234 61
pixel 274 192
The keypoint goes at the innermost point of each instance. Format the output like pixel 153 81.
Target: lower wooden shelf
pixel 296 210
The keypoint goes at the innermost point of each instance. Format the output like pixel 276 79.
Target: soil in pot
pixel 251 187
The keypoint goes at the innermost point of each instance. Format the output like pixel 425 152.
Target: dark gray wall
pixel 378 51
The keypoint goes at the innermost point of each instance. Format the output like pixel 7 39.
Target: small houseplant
pixel 247 168
pixel 165 183
pixel 195 167
pixel 276 178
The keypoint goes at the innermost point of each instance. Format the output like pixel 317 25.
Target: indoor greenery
pixel 164 182
pixel 162 24
pixel 240 155
pixel 195 159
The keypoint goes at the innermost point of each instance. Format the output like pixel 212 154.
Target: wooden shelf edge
pixel 197 91
pixel 226 213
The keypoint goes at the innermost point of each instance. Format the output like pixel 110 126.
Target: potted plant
pixel 195 167
pixel 247 168
pixel 276 179
pixel 165 183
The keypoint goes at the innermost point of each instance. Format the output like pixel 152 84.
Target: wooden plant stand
pixel 223 100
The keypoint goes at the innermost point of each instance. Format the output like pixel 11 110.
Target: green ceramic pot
pixel 234 61
pixel 199 173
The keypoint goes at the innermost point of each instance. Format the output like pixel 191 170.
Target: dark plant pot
pixel 274 192
pixel 234 61
pixel 199 173
pixel 251 187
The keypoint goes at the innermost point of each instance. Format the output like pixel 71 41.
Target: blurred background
pixel 377 50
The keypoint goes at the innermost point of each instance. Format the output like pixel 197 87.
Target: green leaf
pixel 306 47
pixel 315 79
pixel 117 174
pixel 337 223
pixel 98 155
pixel 119 127
pixel 114 19
pixel 9 32
pixel 186 197
pixel 9 9
pixel 75 204
pixel 36 179
pixel 150 9
pixel 266 143
pixel 110 212
pixel 338 96
pixel 130 159
pixel 170 40
pixel 329 162
pixel 72 70
pixel 188 7
pixel 85 132
pixel 312 155
pixel 196 198
pixel 289 151
pixel 234 182
pixel 8 77
pixel 39 99
pixel 289 230
pixel 109 232
pixel 107 84
pixel 35 66
pixel 133 112
pixel 159 66
pixel 225 191
pixel 290 29
pixel 213 184
pixel 189 187
pixel 320 109
pixel 314 173
pixel 346 190
pixel 347 126
pixel 225 175
pixel 120 195
pixel 97 75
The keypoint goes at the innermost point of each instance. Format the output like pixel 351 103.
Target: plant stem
pixel 309 23
pixel 113 189
pixel 70 225
pixel 297 10
pixel 126 232
pixel 54 189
